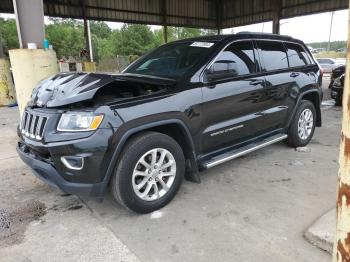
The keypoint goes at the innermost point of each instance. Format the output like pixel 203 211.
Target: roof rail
pixel 254 33
pixel 263 33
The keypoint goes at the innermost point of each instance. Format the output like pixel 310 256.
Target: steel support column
pixel 165 33
pixel 276 13
pixel 86 29
pixel 30 22
pixel 342 240
pixel 164 22
pixel 218 16
pixel 86 35
pixel 2 53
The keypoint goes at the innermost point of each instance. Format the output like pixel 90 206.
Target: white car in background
pixel 327 64
pixel 310 48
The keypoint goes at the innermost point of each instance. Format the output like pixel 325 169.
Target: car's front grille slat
pixel 38 126
pixel 33 125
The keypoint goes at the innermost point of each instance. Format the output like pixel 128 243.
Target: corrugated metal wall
pixel 194 13
pixel 197 13
pixel 191 13
pixel 243 12
pixel 291 8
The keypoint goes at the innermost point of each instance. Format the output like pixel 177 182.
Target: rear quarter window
pixel 273 55
pixel 297 56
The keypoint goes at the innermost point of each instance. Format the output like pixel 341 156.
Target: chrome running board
pixel 217 160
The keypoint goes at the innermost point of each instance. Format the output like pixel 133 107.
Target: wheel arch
pixel 315 98
pixel 176 129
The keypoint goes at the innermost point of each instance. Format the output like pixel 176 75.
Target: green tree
pixel 108 47
pixel 185 32
pixel 8 34
pixel 100 29
pixel 66 36
pixel 177 33
pixel 135 40
pixel 208 32
pixel 334 45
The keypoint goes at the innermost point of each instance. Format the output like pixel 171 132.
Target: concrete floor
pixel 255 208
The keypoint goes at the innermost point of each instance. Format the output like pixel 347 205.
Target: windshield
pixel 171 61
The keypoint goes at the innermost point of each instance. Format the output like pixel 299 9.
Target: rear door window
pixel 296 55
pixel 273 55
pixel 241 54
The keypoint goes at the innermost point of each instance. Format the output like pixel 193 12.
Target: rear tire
pixel 303 125
pixel 149 172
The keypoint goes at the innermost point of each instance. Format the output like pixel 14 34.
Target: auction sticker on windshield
pixel 202 44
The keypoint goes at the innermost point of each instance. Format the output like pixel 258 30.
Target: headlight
pixel 79 121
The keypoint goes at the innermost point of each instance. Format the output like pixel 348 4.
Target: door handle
pixel 256 82
pixel 294 74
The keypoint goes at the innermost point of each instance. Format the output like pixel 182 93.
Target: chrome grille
pixel 32 125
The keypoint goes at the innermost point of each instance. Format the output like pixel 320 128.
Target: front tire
pixel 149 172
pixel 303 125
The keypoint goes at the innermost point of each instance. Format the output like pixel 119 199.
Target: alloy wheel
pixel 154 174
pixel 305 124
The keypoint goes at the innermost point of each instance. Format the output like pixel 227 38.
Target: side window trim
pixel 258 60
pixel 223 49
pixel 284 44
pixel 310 61
pixel 263 61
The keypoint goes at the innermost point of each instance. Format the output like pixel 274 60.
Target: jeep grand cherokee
pixel 186 106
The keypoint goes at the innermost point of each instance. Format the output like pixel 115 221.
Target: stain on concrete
pixel 280 180
pixel 75 207
pixel 234 212
pixel 214 214
pixel 174 249
pixel 13 222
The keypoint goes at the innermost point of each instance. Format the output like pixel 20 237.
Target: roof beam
pixel 191 13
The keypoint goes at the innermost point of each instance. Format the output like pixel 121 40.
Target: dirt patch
pixel 67 204
pixel 13 222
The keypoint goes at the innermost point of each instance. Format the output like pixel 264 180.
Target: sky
pixel 311 28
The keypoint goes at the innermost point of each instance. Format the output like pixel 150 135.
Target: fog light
pixel 73 162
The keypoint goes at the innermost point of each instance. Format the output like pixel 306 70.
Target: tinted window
pixel 241 54
pixel 273 55
pixel 296 55
pixel 172 60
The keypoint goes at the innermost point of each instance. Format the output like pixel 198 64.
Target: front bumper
pixel 48 173
pixel 52 153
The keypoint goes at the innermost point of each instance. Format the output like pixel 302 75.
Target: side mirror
pixel 221 69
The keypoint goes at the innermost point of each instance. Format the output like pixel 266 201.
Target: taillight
pixel 321 72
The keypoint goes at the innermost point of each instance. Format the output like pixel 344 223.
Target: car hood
pixel 68 88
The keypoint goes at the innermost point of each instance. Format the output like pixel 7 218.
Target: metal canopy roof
pixel 188 13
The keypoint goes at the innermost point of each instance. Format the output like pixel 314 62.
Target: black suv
pixel 186 106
